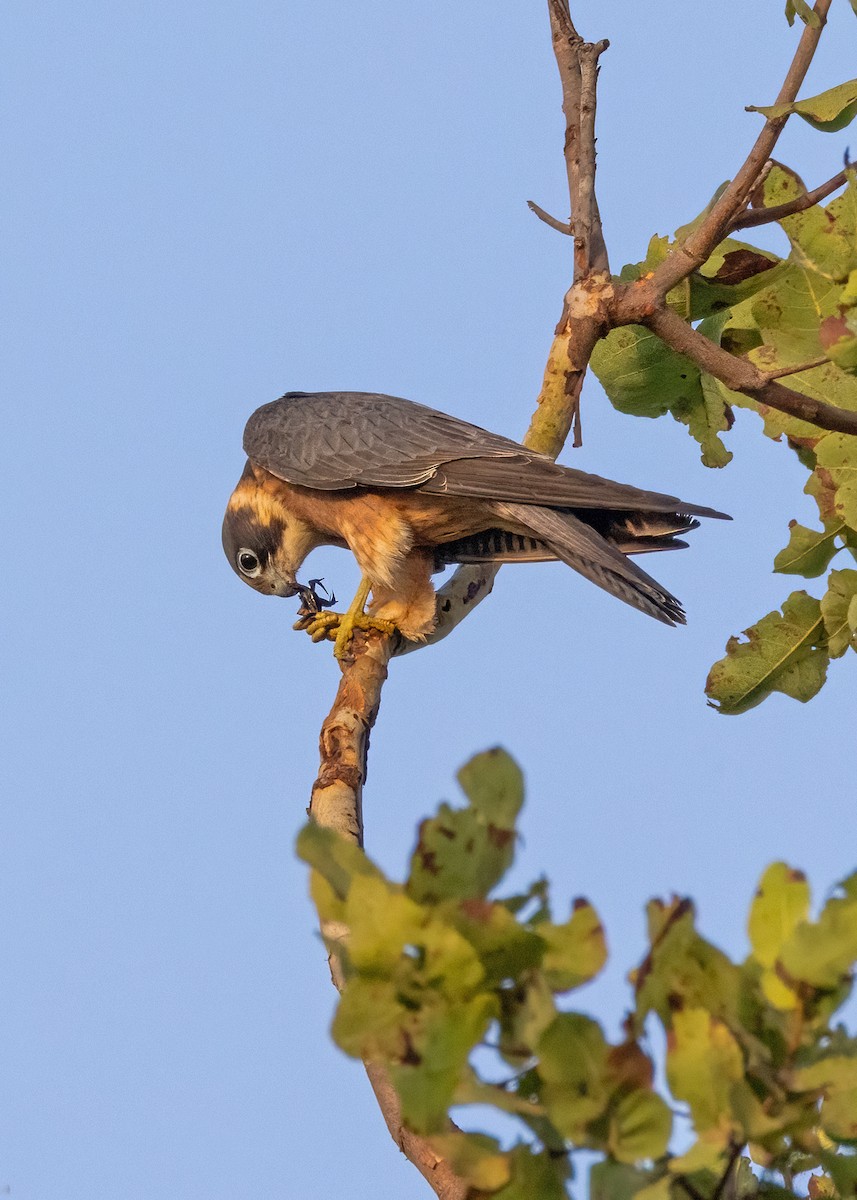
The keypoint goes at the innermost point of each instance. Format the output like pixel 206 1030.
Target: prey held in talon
pixel 410 490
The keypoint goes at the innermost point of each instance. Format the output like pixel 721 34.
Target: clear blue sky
pixel 207 205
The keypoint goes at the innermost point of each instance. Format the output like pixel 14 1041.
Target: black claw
pixel 311 602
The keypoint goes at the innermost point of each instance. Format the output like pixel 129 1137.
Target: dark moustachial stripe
pixel 242 527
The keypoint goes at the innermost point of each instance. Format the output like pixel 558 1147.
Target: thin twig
pixel 554 222
pixel 776 212
pixel 692 1191
pixel 796 368
pixel 566 47
pixel 586 218
pixel 734 1153
pixel 691 254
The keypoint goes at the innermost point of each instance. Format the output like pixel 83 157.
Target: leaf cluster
pixel 460 995
pixel 782 314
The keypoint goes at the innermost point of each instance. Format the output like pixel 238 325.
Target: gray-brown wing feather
pixel 338 440
pixel 586 551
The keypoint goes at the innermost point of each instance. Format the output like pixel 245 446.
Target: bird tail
pixel 598 559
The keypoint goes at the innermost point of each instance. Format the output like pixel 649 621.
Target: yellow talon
pixel 339 627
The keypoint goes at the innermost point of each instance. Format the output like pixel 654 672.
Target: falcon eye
pixel 248 563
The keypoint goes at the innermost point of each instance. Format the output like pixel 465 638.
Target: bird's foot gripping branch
pixel 340 628
pixel 459 995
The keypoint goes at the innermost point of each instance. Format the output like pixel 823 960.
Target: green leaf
pixel 535 1174
pixel 829 111
pixel 494 785
pixel 706 416
pixel 657 251
pixel 643 377
pixel 809 551
pixel 463 853
pixel 334 857
pixel 371 1021
pixel 527 1009
pixel 506 949
pixel 837 1078
pixel 609 1180
pixel 780 904
pixel 426 1087
pixel 839 1116
pixel 783 653
pixel 707 1156
pixel 573 1061
pixel 476 1158
pixel 734 272
pixel 682 969
pixel 576 951
pixel 459 854
pixel 390 935
pixel 781 185
pixel 703 1063
pixel 660 1189
pixel 839 609
pixel 838 1072
pixel 789 312
pixel 640 1127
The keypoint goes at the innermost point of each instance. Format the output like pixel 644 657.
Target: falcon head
pixel 255 540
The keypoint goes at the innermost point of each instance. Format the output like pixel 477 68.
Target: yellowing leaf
pixel 576 951
pixel 823 953
pixel 780 904
pixel 836 459
pixel 474 1157
pixel 801 8
pixel 839 609
pixel 778 993
pixel 809 550
pixel 703 1063
pixel 783 653
pixel 640 1127
pixel 829 111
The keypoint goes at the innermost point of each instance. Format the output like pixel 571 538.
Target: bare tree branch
pixel 776 212
pixel 336 801
pixel 554 222
pixel 578 72
pixel 741 375
pixel 586 219
pixel 691 254
pixel 435 1170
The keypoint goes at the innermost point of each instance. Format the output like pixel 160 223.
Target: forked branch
pixel 698 247
pixel 592 306
pixel 336 800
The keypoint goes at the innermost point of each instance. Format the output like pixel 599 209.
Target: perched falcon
pixel 409 489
